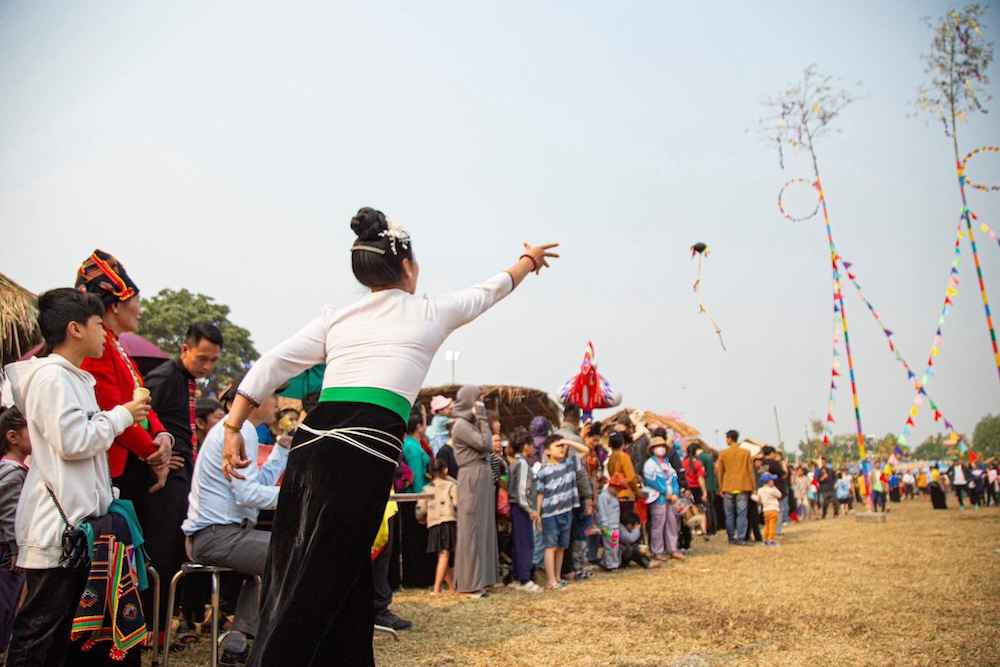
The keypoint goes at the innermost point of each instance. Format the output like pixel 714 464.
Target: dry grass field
pixel 921 589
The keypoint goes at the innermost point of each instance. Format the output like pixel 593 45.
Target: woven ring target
pixel 971 183
pixel 781 204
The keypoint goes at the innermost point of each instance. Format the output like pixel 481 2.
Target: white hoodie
pixel 70 437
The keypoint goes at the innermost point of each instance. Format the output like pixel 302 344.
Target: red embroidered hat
pixel 103 275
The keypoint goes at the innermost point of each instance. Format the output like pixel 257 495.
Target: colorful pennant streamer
pixel 838 298
pixel 910 375
pixel 951 291
pixel 967 215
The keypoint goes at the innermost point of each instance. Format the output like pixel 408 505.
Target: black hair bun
pixel 369 223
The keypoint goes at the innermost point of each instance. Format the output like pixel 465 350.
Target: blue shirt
pixel 418 461
pixel 217 501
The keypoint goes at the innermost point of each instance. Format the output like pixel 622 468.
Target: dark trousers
pixel 523 539
pixel 754 520
pixel 160 515
pixel 10 592
pixel 380 572
pixel 829 498
pixel 41 629
pixel 716 511
pixel 878 501
pixel 630 553
pixel 961 491
pixel 418 565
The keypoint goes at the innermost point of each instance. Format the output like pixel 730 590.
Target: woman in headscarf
pixel 476 551
pixel 317 607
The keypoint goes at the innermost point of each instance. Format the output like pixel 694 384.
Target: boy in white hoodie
pixel 70 438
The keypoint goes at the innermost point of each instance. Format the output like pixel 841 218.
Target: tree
pixel 986 437
pixel 799 116
pixel 956 67
pixel 932 449
pixel 167 315
pixel 957 63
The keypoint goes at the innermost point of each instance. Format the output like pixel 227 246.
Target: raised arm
pixel 459 308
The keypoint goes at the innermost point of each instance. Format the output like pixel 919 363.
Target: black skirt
pixel 442 536
pixel 317 607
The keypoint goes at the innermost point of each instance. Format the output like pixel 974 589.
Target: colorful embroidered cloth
pixel 110 608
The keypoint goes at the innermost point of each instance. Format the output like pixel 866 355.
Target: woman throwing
pixel 317 605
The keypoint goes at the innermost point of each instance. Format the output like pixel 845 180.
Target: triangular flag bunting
pixel 909 420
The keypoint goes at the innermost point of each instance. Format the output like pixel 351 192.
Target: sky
pixel 223 147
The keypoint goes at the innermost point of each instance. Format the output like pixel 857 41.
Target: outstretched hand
pixel 541 254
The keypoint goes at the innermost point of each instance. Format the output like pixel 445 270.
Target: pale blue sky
pixel 223 147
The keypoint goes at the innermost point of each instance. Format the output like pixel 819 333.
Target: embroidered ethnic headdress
pixel 103 275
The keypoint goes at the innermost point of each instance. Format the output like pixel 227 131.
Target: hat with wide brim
pixel 656 441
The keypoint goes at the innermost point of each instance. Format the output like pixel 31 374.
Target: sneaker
pixel 583 574
pixel 563 583
pixel 235 649
pixel 390 620
pixel 530 587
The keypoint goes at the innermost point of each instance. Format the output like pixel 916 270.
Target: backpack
pixel 403 478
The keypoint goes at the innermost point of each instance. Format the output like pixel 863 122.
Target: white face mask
pixel 660 452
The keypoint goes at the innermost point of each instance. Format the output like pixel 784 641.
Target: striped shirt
pixel 557 484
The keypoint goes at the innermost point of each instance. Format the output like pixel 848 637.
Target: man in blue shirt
pixel 222 514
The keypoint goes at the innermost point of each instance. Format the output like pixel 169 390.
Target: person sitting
pixel 207 413
pixel 222 515
pixel 631 550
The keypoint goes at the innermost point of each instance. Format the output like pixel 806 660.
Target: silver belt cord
pixel 350 435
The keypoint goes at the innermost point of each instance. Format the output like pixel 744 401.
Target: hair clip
pixel 369 248
pixel 396 233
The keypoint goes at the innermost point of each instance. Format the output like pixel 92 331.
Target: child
pixel 691 515
pixel 15 446
pixel 524 514
pixel 769 497
pixel 609 518
pixel 440 514
pixel 631 533
pixel 70 439
pixel 557 496
pixel 843 491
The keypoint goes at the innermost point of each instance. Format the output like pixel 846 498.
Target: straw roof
pixel 676 425
pixel 18 320
pixel 516 406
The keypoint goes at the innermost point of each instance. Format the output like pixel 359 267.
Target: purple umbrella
pixel 145 354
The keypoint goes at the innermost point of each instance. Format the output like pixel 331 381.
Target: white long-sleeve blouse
pixel 386 340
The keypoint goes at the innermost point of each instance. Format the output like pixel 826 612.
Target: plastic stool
pixel 198 568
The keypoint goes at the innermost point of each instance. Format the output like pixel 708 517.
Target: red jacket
pixel 115 385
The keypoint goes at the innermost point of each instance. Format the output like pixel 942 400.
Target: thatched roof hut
pixel 516 406
pixel 18 320
pixel 676 425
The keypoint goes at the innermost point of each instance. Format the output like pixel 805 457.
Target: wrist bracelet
pixel 534 264
pixel 229 427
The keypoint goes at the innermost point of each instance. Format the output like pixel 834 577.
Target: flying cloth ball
pixel 588 389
